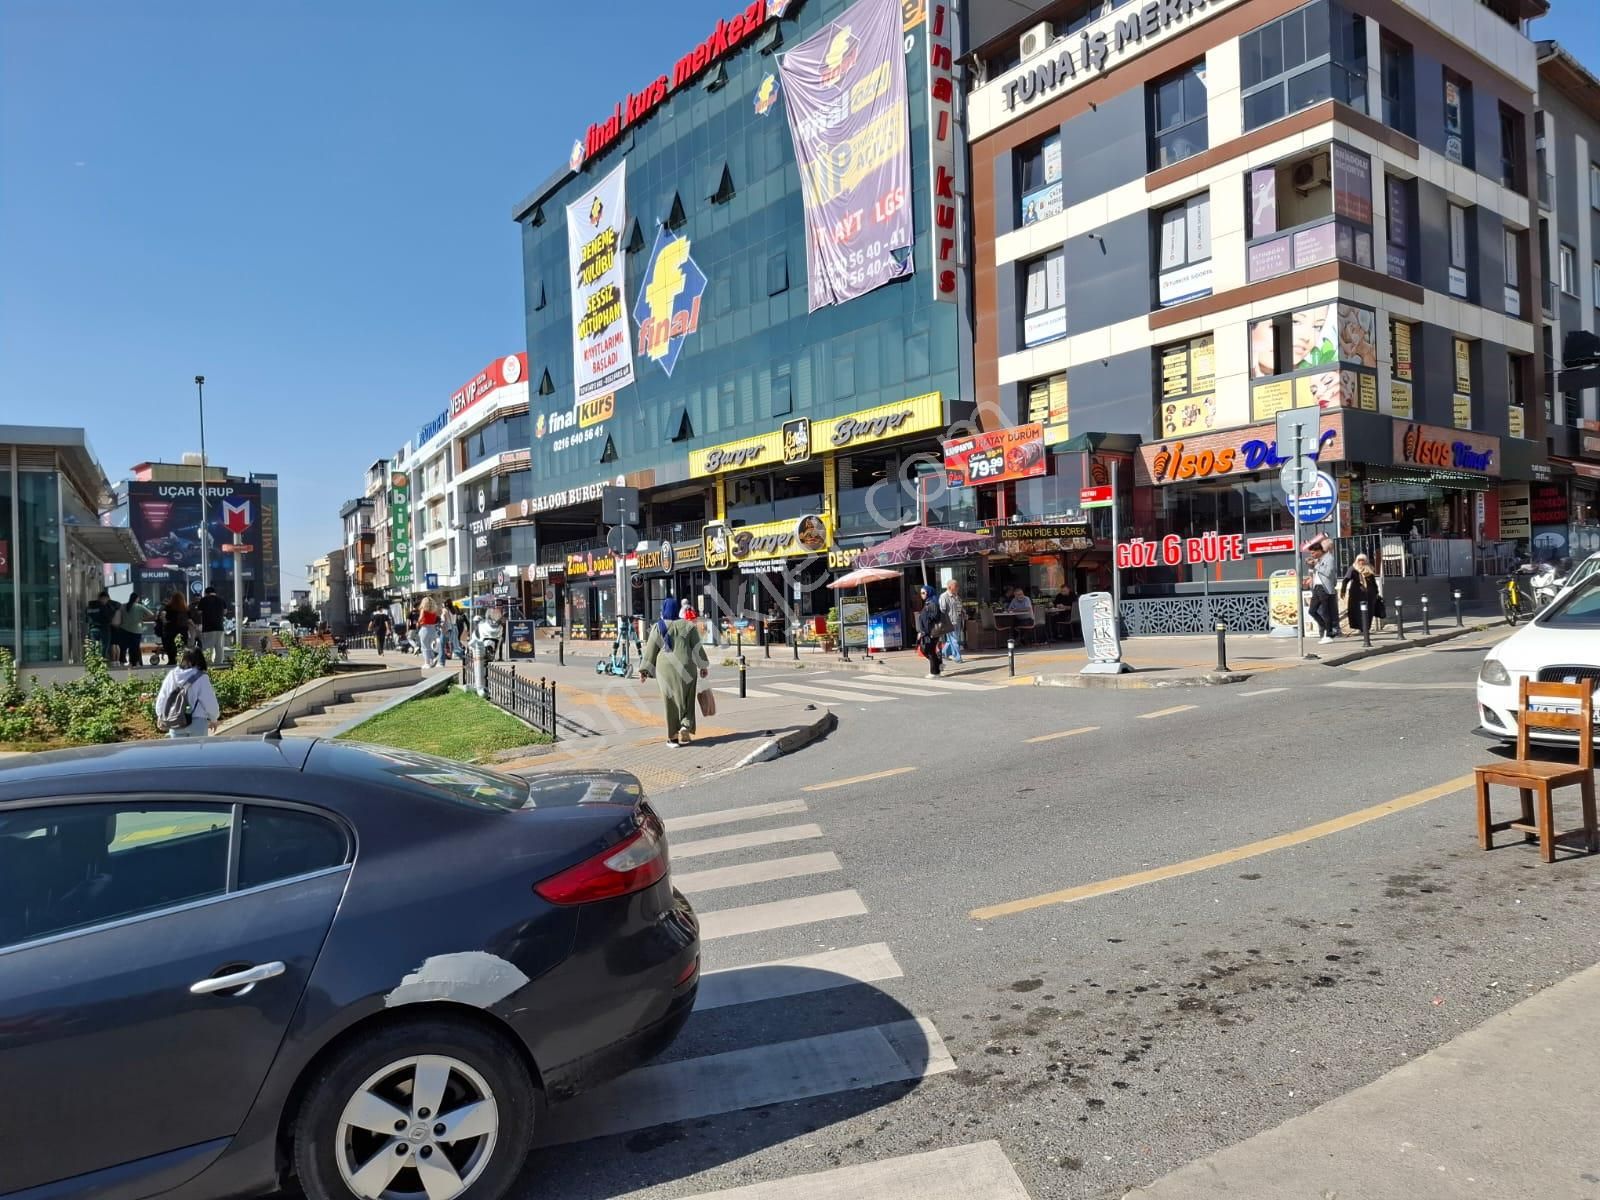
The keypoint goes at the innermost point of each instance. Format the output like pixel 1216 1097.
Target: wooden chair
pixel 1529 776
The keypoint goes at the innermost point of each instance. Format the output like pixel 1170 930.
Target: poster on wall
pixel 1402 351
pixel 1461 411
pixel 165 519
pixel 1463 356
pixel 994 457
pixel 602 359
pixel 667 309
pixel 1515 424
pixel 1400 400
pixel 845 101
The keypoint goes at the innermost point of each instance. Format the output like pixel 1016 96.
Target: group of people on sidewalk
pixel 941 622
pixel 440 632
pixel 118 629
pixel 1358 588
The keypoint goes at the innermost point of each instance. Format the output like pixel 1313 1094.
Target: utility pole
pixel 205 533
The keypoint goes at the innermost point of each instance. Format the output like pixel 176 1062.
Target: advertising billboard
pixel 845 99
pixel 994 457
pixel 602 358
pixel 165 519
pixel 668 306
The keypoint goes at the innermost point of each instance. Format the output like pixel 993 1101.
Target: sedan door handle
pixel 245 980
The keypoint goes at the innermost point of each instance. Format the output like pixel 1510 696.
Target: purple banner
pixel 845 97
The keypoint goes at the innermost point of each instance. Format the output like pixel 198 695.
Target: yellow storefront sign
pixel 795 538
pixel 798 438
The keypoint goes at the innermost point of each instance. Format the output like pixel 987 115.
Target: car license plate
pixel 1569 709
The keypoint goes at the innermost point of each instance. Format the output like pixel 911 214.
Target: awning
pixel 923 543
pixel 108 543
pixel 862 576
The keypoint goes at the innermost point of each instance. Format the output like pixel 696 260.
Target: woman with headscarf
pixel 931 629
pixel 1360 587
pixel 674 654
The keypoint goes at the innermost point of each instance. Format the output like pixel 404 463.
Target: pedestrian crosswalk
pixel 861 688
pixel 837 1033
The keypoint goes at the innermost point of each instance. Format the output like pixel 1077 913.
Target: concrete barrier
pixel 314 697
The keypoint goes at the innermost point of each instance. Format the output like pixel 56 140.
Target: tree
pixel 303 617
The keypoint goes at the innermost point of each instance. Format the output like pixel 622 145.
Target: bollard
pixel 741 677
pixel 1400 619
pixel 1457 594
pixel 794 637
pixel 761 636
pixel 1222 647
pixel 1366 625
pixel 1426 628
pixel 561 649
pixel 1011 654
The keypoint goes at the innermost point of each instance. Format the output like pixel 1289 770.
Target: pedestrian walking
pixel 1324 583
pixel 428 632
pixel 931 630
pixel 956 614
pixel 378 625
pixel 675 655
pixel 101 612
pixel 135 616
pixel 175 625
pixel 1360 586
pixel 213 614
pixel 460 621
pixel 186 703
pixel 449 635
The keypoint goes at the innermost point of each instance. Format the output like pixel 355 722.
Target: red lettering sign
pixel 1272 543
pixel 1174 551
pixel 942 151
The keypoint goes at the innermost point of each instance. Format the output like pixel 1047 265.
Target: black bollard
pixel 741 676
pixel 795 638
pixel 761 633
pixel 1400 619
pixel 1011 654
pixel 1366 625
pixel 1457 595
pixel 1222 647
pixel 1426 627
pixel 561 649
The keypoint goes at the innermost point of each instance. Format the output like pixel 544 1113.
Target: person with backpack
pixel 186 704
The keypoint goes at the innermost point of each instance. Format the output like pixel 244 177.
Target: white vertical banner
pixel 602 357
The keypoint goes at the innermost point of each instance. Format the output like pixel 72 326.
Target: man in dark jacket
pixel 212 612
pixel 378 626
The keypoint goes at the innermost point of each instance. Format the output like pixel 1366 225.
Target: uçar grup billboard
pixel 165 519
pixel 845 98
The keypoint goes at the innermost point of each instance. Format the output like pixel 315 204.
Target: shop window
pixel 1460 251
pixel 1457 119
pixel 1044 401
pixel 1316 53
pixel 1511 155
pixel 1399 87
pixel 1178 115
pixel 1188 375
pixel 1400 220
pixel 1513 263
pixel 872 494
pixel 1039 180
pixel 1183 250
pixel 1044 298
pixel 1568 259
pixel 1324 355
pixel 1402 369
pixel 1311 209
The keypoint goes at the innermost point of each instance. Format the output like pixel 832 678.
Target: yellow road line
pixel 1050 737
pixel 839 783
pixel 1225 858
pixel 1165 712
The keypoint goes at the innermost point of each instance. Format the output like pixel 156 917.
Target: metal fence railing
pixel 527 699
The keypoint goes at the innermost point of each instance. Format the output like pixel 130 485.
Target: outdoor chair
pixel 1555 710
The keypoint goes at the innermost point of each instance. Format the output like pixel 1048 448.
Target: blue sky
pixel 306 202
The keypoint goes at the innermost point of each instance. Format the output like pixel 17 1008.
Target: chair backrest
pixel 1562 698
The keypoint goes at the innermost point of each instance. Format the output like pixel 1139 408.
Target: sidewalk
pixel 1505 1111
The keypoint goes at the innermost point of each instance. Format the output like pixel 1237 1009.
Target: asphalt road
pixel 1103 1040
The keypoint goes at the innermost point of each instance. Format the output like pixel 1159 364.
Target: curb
pixel 788 743
pixel 1132 682
pixel 1395 647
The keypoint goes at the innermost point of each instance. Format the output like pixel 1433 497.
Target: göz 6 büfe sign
pixel 1175 551
pixel 1015 453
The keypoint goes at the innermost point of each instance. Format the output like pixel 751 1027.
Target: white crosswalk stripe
pixel 796 976
pixel 726 816
pixel 750 693
pixel 977 1172
pixel 765 871
pixel 780 914
pixel 743 841
pixel 831 693
pixel 914 687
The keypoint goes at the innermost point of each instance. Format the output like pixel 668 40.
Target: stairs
pixel 350 708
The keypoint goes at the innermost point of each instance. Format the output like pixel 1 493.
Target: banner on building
pixel 994 457
pixel 668 305
pixel 165 520
pixel 845 90
pixel 602 358
pixel 400 529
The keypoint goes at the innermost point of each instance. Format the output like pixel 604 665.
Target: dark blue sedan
pixel 231 963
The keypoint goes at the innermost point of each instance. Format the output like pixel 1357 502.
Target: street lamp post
pixel 205 533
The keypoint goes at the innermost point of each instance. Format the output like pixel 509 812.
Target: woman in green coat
pixel 674 654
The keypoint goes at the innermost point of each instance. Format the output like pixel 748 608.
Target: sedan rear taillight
pixel 631 866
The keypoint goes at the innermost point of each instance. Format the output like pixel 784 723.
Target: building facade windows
pixel 1511 156
pixel 1183 251
pixel 1568 259
pixel 1178 116
pixel 1457 119
pixel 1313 54
pixel 499 436
pixel 1400 202
pixel 1399 87
pixel 1311 209
pixel 1039 180
pixel 1594 185
pixel 1044 298
pixel 1513 261
pixel 1460 252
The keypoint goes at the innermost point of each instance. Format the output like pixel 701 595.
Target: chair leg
pixel 1591 828
pixel 1485 838
pixel 1527 812
pixel 1547 824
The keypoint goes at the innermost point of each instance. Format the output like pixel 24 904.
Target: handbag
pixel 707 700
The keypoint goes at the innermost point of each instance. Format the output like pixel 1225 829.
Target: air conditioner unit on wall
pixel 1311 174
pixel 1036 40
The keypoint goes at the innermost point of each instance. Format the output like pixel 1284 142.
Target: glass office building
pixel 871 383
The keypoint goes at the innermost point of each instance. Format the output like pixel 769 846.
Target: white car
pixel 1560 645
